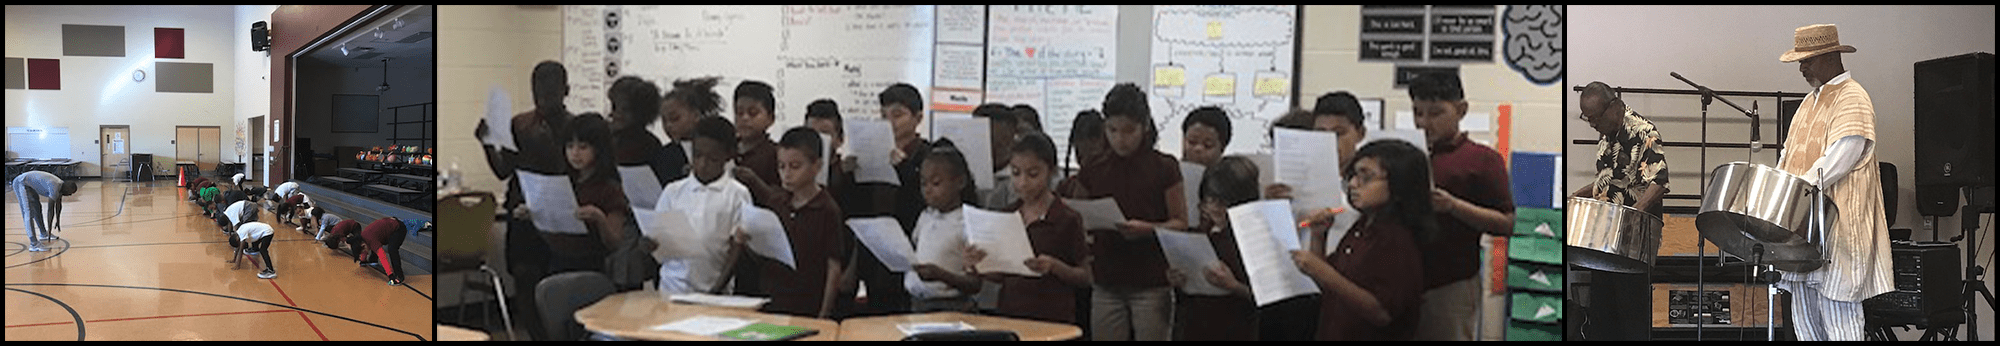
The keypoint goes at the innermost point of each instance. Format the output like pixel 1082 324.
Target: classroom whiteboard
pixel 38 142
pixel 1059 59
pixel 848 53
pixel 1237 57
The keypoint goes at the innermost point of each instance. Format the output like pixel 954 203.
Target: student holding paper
pixel 1373 282
pixel 754 149
pixel 1131 299
pixel 814 228
pixel 1229 182
pixel 1341 113
pixel 1086 145
pixel 823 116
pixel 600 199
pixel 537 147
pixel 1002 127
pixel 1054 231
pixel 941 282
pixel 684 105
pixel 903 107
pixel 635 105
pixel 712 203
pixel 1204 133
pixel 1472 198
pixel 1294 318
pixel 756 167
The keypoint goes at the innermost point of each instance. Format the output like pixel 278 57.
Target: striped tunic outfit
pixel 1827 301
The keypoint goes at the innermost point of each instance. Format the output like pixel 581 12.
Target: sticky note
pixel 1272 86
pixel 1219 85
pixel 1215 30
pixel 1169 76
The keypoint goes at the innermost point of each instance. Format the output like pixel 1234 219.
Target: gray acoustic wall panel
pixel 184 77
pixel 93 40
pixel 17 73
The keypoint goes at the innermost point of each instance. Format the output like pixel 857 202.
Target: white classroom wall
pixel 100 90
pixel 480 47
pixel 1737 48
pixel 252 78
pixel 1330 61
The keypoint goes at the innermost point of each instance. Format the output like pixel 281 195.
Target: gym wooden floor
pixel 137 261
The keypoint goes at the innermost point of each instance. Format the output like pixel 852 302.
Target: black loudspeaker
pixel 1954 118
pixel 260 36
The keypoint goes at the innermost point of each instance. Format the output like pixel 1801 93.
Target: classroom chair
pixel 464 245
pixel 559 297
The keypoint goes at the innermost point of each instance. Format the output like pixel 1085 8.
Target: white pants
pixel 1817 318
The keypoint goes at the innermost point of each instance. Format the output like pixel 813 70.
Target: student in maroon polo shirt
pixel 1472 197
pixel 1131 299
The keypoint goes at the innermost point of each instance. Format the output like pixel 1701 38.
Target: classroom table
pixel 632 314
pixel 455 333
pixel 883 328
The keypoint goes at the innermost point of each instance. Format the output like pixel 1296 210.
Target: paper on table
pixel 1098 214
pixel 704 325
pixel 973 137
pixel 914 328
pixel 871 141
pixel 551 202
pixel 699 298
pixel 1191 174
pixel 642 187
pixel 1265 235
pixel 885 237
pixel 499 119
pixel 1003 237
pixel 670 229
pixel 1415 137
pixel 1191 254
pixel 767 234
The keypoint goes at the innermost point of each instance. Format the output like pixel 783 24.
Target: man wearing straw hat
pixel 1832 147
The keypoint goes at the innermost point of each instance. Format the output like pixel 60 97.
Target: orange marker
pixel 1334 210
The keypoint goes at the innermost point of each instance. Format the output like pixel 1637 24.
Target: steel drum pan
pixel 1610 237
pixel 1760 213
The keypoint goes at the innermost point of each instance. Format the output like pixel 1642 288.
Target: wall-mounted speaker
pixel 1954 118
pixel 260 36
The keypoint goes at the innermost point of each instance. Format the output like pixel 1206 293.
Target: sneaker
pixel 267 273
pixel 37 248
pixel 394 282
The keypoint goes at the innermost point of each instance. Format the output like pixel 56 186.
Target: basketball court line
pixel 301 310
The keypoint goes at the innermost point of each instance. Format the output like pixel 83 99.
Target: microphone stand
pixel 1708 96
